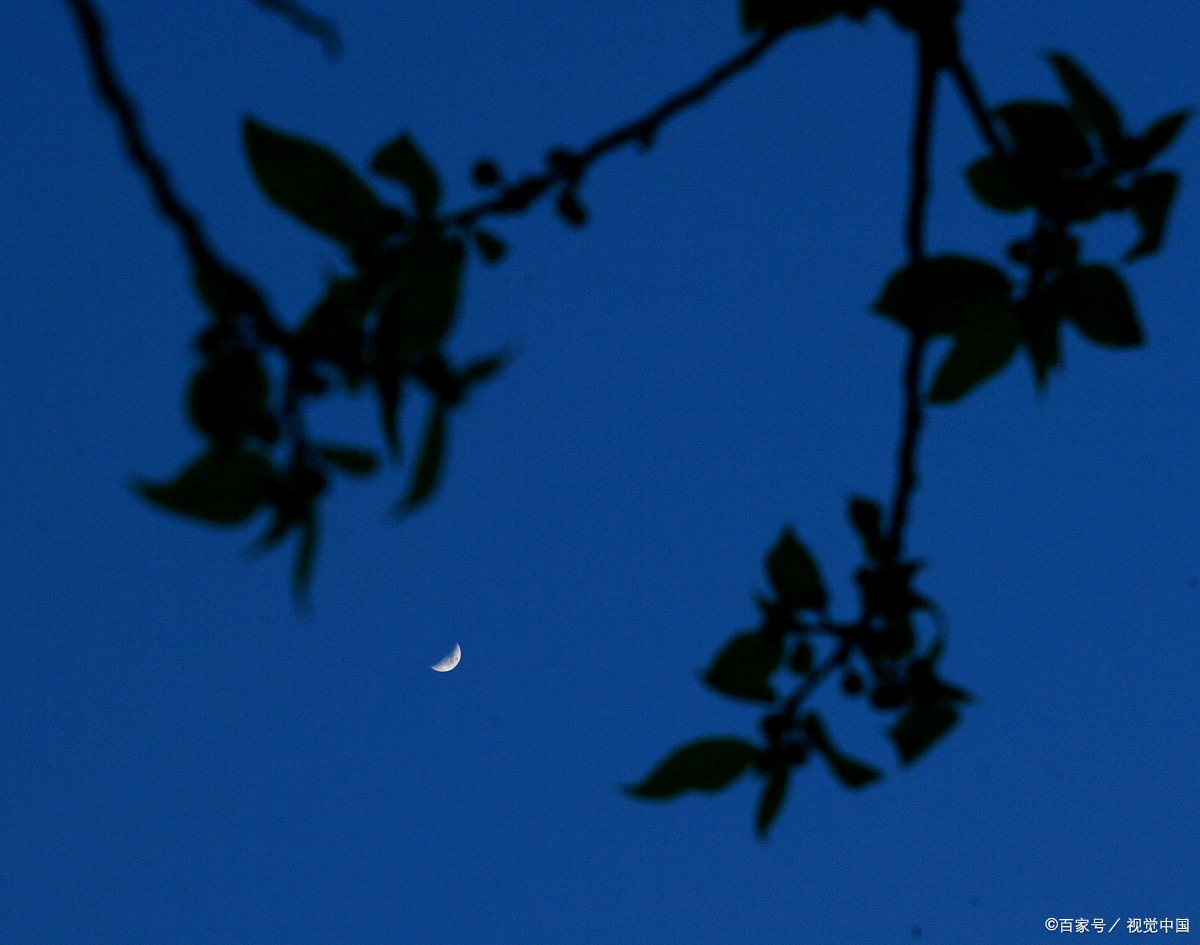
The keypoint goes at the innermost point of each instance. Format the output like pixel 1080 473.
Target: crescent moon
pixel 449 661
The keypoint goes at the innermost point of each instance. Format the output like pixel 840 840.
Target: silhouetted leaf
pixel 333 330
pixel 771 800
pixel 227 396
pixel 420 311
pixel 224 487
pixel 961 293
pixel 485 367
pixel 794 574
pixel 993 185
pixel 388 388
pixel 853 774
pixel 744 665
pixel 1042 340
pixel 485 173
pixel 1152 195
pixel 802 658
pixel 706 765
pixel 491 247
pixel 785 14
pixel 402 161
pixel 429 462
pixel 976 356
pixel 312 183
pixel 1159 136
pixel 1099 305
pixel 306 556
pixel 867 519
pixel 1091 105
pixel 921 726
pixel 1045 135
pixel 350 459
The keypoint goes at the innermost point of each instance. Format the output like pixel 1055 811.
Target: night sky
pixel 188 759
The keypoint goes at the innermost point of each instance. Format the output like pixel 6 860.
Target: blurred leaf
pixel 1099 305
pixel 706 765
pixel 333 330
pixel 867 519
pixel 744 665
pixel 491 247
pixel 794 574
pixel 993 185
pixel 224 486
pixel 228 395
pixel 802 658
pixel 1091 105
pixel 306 556
pixel 429 462
pixel 851 773
pixel 1152 195
pixel 785 14
pixel 350 459
pixel 961 293
pixel 420 311
pixel 388 388
pixel 402 161
pixel 921 726
pixel 1042 340
pixel 975 357
pixel 1045 135
pixel 312 183
pixel 483 368
pixel 771 801
pixel 1160 135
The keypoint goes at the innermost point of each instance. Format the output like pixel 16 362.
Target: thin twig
pixel 203 254
pixel 906 472
pixel 570 167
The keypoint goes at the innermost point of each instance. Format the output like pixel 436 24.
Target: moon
pixel 449 661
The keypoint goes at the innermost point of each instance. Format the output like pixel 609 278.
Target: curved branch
pixel 569 167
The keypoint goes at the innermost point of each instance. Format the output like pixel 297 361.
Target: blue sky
pixel 187 760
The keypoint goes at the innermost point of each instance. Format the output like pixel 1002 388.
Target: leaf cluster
pixel 877 655
pixel 381 326
pixel 1070 164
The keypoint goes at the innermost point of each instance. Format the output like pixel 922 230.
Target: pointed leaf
pixel 483 368
pixel 853 774
pixel 1152 196
pixel 420 311
pixel 402 161
pixel 350 459
pixel 306 556
pixel 429 462
pixel 570 209
pixel 921 726
pixel 1099 305
pixel 1045 135
pixel 975 357
pixel 1092 106
pixel 311 183
pixel 744 665
pixel 867 518
pixel 1160 135
pixel 993 185
pixel 224 487
pixel 794 574
pixel 706 765
pixel 771 801
pixel 960 292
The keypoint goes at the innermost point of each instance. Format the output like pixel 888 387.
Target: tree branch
pixel 906 474
pixel 569 167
